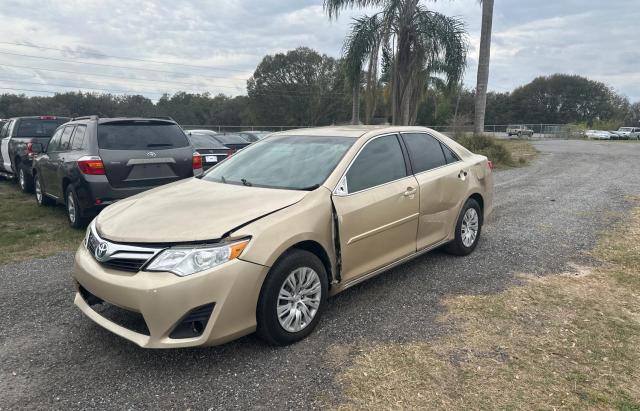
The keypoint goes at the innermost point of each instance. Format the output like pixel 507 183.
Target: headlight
pixel 185 261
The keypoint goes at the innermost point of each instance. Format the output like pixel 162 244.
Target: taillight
pixel 490 164
pixel 231 152
pixel 48 117
pixel 91 165
pixel 30 150
pixel 196 161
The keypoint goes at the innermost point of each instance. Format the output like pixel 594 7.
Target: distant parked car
pixel 18 135
pixel 211 150
pixel 632 133
pixel 519 130
pixel 233 141
pixel 617 136
pixel 598 135
pixel 254 135
pixel 92 162
pixel 203 131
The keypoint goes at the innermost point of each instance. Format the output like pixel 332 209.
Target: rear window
pixel 231 139
pixel 204 141
pixel 35 127
pixel 140 135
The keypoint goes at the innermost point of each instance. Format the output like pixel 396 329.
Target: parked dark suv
pixel 16 138
pixel 92 162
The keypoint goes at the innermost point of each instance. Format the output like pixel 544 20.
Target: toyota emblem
pixel 101 251
pixel 151 154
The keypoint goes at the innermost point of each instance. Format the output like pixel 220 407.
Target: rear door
pixel 53 181
pixel 377 206
pixel 144 153
pixel 443 181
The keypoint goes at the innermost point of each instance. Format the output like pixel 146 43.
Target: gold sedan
pixel 262 239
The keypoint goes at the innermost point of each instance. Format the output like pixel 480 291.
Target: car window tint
pixel 425 152
pixel 77 142
pixel 55 141
pixel 140 135
pixel 65 139
pixel 449 155
pixel 379 162
pixel 36 127
pixel 3 133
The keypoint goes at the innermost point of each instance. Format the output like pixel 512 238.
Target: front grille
pixel 130 320
pixel 121 257
pixel 124 264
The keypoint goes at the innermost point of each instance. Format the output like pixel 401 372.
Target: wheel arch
pixel 314 248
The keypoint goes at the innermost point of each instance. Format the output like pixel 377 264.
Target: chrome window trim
pixel 335 190
pixel 441 142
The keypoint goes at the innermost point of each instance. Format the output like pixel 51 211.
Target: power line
pixel 115 66
pixel 117 77
pixel 121 58
pixel 81 87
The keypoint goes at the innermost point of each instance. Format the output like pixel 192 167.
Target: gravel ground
pixel 545 216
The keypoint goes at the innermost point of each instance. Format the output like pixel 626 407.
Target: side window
pixel 379 162
pixel 77 142
pixel 65 140
pixel 55 141
pixel 449 154
pixel 425 152
pixel 5 128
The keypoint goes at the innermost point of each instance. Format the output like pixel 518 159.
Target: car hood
pixel 190 210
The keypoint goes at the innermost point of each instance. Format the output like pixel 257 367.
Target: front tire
pixel 25 183
pixel 292 298
pixel 468 229
pixel 74 213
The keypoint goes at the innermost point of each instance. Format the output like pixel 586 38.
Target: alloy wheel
pixel 71 208
pixel 22 180
pixel 38 191
pixel 470 223
pixel 299 299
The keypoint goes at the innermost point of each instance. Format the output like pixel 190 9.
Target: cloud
pixel 216 45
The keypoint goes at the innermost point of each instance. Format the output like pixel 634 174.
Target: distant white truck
pixel 629 133
pixel 519 130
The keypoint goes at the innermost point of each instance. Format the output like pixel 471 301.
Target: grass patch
pixel 503 153
pixel 28 231
pixel 561 341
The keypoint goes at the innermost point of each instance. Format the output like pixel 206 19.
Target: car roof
pixel 351 131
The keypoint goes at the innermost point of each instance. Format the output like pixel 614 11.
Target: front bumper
pixel 164 299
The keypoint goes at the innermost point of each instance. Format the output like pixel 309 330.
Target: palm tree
pixel 423 45
pixel 483 65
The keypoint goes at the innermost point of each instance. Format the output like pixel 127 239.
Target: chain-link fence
pixel 540 131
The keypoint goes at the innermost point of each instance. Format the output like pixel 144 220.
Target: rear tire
pixel 41 197
pixel 74 213
pixel 468 229
pixel 25 183
pixel 292 298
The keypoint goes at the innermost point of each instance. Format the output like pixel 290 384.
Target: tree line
pixel 305 88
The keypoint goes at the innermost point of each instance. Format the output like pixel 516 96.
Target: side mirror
pixel 37 148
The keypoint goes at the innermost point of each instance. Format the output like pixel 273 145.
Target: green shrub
pixel 489 147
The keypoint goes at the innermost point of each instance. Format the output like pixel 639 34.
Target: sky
pixel 163 46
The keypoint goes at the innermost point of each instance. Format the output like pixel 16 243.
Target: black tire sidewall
pixel 457 247
pixel 268 326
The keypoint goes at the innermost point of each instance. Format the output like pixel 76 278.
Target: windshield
pixel 290 162
pixel 140 135
pixel 625 129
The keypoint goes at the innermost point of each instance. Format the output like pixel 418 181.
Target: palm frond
pixel 359 44
pixel 333 7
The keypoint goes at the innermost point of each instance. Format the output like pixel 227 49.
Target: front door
pixel 377 203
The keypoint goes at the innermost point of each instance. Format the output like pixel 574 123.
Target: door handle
pixel 462 174
pixel 410 191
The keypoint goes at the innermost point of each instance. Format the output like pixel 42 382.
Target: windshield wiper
pixel 159 145
pixel 223 180
pixel 246 182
